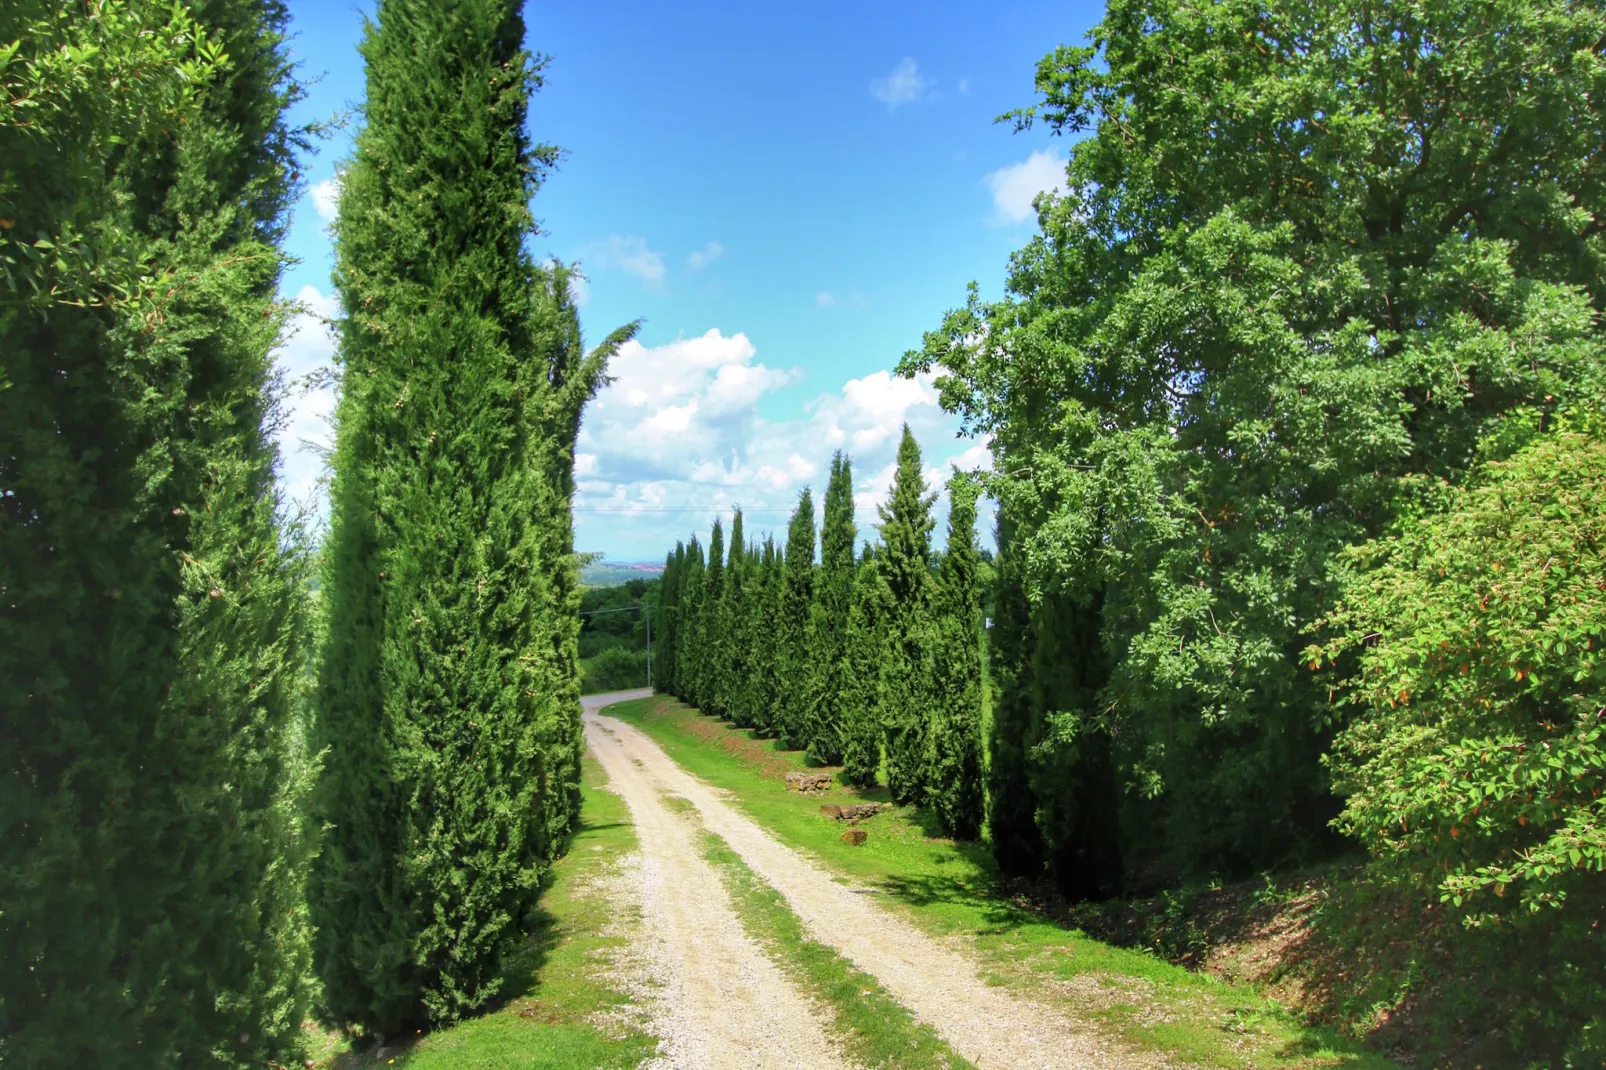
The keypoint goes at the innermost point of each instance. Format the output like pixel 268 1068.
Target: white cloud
pixel 964 86
pixel 825 298
pixel 1014 187
pixel 307 351
pixel 630 255
pixel 677 439
pixel 705 256
pixel 326 198
pixel 904 85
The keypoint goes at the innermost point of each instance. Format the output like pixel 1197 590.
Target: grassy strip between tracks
pixel 567 1015
pixel 951 889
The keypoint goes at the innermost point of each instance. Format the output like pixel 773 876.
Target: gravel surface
pixel 942 987
pixel 712 995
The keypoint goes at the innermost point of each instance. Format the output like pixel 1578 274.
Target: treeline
pixel 613 635
pixel 224 805
pixel 846 659
pixel 1295 405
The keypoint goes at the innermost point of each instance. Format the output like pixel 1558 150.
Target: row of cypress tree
pixel 867 663
pixel 210 820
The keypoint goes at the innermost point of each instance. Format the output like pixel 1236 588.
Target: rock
pixel 856 837
pixel 808 783
pixel 853 812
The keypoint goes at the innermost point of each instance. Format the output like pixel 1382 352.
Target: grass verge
pixel 952 889
pixel 567 1015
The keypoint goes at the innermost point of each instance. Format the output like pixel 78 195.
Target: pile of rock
pixel 852 813
pixel 808 783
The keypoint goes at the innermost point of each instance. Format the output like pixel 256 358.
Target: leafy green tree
pixel 1473 757
pixel 795 598
pixel 733 673
pixel 1307 256
pixel 153 629
pixel 904 562
pixel 711 638
pixel 449 679
pixel 865 648
pixel 955 778
pixel 828 616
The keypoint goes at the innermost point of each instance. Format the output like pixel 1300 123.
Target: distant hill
pixel 613 573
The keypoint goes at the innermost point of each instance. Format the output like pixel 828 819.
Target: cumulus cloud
pixel 705 256
pixel 325 197
pixel 677 439
pixel 304 356
pixel 1014 187
pixel 904 85
pixel 629 255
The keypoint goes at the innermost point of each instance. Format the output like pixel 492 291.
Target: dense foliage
pixel 1306 255
pixel 852 662
pixel 1474 763
pixel 154 626
pixel 448 690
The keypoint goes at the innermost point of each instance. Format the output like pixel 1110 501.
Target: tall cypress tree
pixel 905 564
pixel 794 682
pixel 150 634
pixel 732 663
pixel 828 617
pixel 865 647
pixel 689 639
pixel 665 615
pixel 1016 729
pixel 955 778
pixel 712 641
pixel 447 691
pixel 763 651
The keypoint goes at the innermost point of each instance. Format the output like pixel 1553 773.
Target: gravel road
pixel 988 1026
pixel 713 997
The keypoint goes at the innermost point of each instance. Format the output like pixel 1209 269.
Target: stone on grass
pixel 856 837
pixel 808 783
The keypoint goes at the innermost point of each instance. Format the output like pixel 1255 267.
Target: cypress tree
pixel 794 683
pixel 955 779
pixel 712 650
pixel 750 695
pixel 732 665
pixel 151 630
pixel 763 651
pixel 864 650
pixel 905 564
pixel 447 689
pixel 667 624
pixel 1012 802
pixel 828 617
pixel 690 637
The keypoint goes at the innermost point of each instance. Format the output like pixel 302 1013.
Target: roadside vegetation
pixel 953 889
pixel 613 635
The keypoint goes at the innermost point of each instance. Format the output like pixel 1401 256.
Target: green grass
pixel 564 1017
pixel 949 889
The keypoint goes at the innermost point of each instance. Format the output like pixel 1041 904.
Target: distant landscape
pixel 614 573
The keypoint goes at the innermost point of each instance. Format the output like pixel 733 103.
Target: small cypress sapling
pixel 955 778
pixel 864 651
pixel 905 565
pixel 795 677
pixel 828 618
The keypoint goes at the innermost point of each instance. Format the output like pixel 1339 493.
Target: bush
pixel 615 669
pixel 1474 762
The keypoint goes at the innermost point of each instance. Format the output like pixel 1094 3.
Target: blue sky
pixel 787 197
